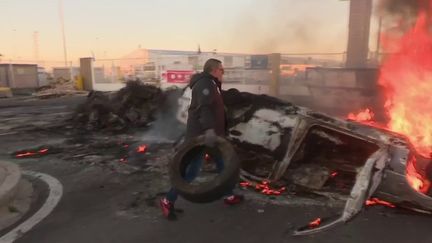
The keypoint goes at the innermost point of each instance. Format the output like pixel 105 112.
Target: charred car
pixel 320 154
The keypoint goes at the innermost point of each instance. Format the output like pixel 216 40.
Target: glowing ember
pixel 376 201
pixel 43 151
pixel 245 184
pixel 30 153
pixel 26 154
pixel 363 116
pixel 315 223
pixel 123 160
pixel 141 149
pixel 415 180
pixel 206 157
pixel 334 174
pixel 406 77
pixel 264 188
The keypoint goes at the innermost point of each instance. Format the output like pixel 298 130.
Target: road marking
pixel 55 194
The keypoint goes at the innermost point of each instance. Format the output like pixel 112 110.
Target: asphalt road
pixel 102 204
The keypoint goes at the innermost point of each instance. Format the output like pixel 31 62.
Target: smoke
pixel 400 6
pixel 296 35
pixel 288 26
pixel 166 127
pixel 403 8
pixel 399 16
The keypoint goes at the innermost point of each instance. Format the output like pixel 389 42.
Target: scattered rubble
pixel 121 154
pixel 58 89
pixel 311 176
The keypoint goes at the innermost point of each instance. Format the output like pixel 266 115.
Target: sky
pixel 114 28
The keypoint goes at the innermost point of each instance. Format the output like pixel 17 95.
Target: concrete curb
pixel 9 179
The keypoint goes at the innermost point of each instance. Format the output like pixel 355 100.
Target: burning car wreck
pixel 323 155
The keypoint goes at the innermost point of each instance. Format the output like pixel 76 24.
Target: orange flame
pixel 415 180
pixel 363 116
pixel 406 77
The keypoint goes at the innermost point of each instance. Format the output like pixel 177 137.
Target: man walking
pixel 206 116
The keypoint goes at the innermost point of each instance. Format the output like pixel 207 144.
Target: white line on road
pixel 55 194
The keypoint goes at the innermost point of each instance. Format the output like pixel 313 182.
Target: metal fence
pixel 48 70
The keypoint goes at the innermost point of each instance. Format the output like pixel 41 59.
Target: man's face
pixel 218 72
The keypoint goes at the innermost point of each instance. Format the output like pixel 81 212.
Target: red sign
pixel 178 76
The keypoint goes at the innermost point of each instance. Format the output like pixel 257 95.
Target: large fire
pixel 406 78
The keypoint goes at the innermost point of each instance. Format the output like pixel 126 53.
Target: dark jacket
pixel 207 110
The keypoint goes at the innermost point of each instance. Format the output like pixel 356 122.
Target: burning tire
pixel 208 191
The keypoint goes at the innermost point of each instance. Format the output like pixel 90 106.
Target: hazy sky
pixel 113 28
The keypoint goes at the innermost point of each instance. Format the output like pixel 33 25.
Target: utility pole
pixel 358 34
pixel 275 63
pixel 61 15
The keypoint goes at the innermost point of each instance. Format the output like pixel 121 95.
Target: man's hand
pixel 210 138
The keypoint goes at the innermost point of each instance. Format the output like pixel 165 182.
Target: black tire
pixel 209 191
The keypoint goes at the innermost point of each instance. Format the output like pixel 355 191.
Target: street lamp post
pixel 61 15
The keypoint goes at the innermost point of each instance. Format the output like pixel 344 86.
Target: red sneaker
pixel 167 209
pixel 233 199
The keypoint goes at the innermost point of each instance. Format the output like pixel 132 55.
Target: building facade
pixel 174 68
pixel 19 75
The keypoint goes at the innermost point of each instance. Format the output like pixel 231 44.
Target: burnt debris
pixel 134 106
pixel 235 100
